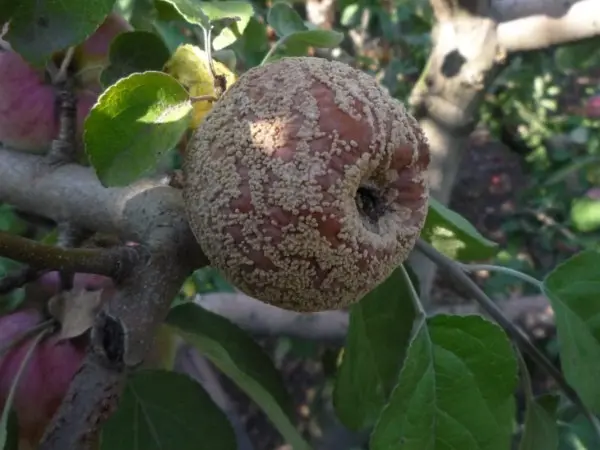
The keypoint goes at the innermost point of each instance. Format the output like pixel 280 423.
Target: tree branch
pixel 147 212
pixel 505 10
pixel 518 336
pixel 112 262
pixel 91 399
pixel 262 319
pixel 72 193
pixel 64 148
pixel 536 32
pixel 121 337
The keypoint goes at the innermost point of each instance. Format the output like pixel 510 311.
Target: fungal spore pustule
pixel 306 184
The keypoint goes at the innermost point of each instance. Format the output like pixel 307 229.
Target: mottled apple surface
pixel 306 183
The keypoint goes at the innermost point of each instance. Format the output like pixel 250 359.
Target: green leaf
pixel 578 55
pixel 316 38
pixel 455 390
pixel 350 14
pixel 454 236
pixel 171 34
pixel 541 431
pixel 572 289
pixel 585 214
pixel 196 12
pixel 7 9
pixel 254 43
pixel 167 410
pixel 40 28
pixel 135 51
pixel 11 437
pixel 577 434
pixel 133 123
pixel 240 358
pixel 576 164
pixel 285 20
pixel 378 335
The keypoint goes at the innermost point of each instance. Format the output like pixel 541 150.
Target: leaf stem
pixel 457 272
pixel 219 81
pixel 272 50
pixel 61 76
pixel 413 293
pixel 507 270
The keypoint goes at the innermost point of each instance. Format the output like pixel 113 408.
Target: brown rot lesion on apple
pixel 305 184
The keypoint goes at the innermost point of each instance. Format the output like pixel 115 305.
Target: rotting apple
pixel 306 183
pixel 45 379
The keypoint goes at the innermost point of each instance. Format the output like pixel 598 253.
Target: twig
pixel 507 270
pixel 276 46
pixel 62 74
pixel 511 329
pixel 203 98
pixel 18 278
pixel 120 340
pixel 113 262
pixel 69 236
pixel 64 148
pixel 550 222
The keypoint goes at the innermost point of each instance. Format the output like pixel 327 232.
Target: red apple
pixel 91 57
pixel 592 107
pixel 28 113
pixel 45 380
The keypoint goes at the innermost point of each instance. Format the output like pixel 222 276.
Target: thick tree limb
pixel 321 12
pixel 505 10
pixel 262 319
pixel 147 212
pixel 464 60
pixel 112 262
pixel 121 337
pixel 581 21
pixel 471 41
pixel 72 193
pixel 91 399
